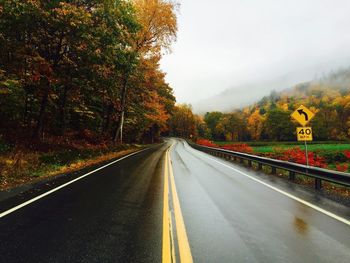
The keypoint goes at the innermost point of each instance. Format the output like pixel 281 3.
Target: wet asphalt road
pixel 113 215
pixel 231 218
pixel 116 215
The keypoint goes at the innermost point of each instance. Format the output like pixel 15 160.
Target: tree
pixel 256 124
pixel 278 125
pixel 202 128
pixel 230 124
pixel 212 120
pixel 158 30
pixel 77 65
pixel 183 121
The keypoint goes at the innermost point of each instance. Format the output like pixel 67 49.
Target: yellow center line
pixel 184 247
pixel 166 253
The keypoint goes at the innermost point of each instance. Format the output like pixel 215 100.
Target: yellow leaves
pixel 4 91
pixel 343 101
pixel 246 111
pixel 156 113
pixel 159 24
pixel 183 122
pixel 325 99
pixel 9 162
pixel 285 106
pixel 72 14
pixel 98 51
pixel 314 109
pixel 255 124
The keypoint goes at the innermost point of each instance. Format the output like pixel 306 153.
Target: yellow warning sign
pixel 303 115
pixel 304 134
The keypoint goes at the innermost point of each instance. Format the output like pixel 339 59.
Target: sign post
pixel 303 115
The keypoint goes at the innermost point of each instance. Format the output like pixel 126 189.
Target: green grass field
pixel 266 147
pixel 331 152
pixel 311 147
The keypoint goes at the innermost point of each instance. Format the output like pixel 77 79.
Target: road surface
pixel 174 203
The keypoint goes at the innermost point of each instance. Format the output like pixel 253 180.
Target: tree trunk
pixel 108 118
pixel 62 117
pixel 119 130
pixel 44 102
pixel 25 114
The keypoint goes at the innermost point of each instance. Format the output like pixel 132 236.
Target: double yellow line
pixel 168 247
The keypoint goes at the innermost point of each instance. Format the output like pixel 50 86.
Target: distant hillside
pixel 240 96
pixel 314 93
pixel 269 118
pixel 328 97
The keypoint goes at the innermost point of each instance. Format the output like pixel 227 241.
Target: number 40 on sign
pixel 304 133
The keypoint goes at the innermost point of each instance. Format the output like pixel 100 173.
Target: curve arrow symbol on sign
pixel 302 112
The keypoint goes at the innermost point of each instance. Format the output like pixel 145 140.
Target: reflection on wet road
pixel 175 203
pixel 232 218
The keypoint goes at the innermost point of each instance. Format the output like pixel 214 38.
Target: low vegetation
pixel 330 159
pixel 23 165
pixel 331 156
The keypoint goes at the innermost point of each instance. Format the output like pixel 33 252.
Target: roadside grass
pixel 311 147
pixel 332 153
pixel 266 147
pixel 21 166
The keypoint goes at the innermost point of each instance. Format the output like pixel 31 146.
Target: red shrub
pixel 347 154
pixel 342 167
pixel 296 155
pixel 206 142
pixel 238 148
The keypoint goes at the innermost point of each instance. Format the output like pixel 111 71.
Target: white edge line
pixel 7 212
pixel 334 216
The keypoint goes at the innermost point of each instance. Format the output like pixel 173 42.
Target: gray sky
pixel 227 44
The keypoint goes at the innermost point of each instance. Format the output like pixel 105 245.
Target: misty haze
pixel 231 53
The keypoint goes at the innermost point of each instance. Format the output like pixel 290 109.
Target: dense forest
pixel 269 119
pixel 84 70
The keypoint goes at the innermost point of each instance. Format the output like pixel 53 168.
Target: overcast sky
pixel 227 43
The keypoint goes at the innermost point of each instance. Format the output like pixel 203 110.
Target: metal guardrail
pixel 318 174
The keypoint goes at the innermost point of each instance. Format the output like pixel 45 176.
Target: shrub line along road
pixel 172 203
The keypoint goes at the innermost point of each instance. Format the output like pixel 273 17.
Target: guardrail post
pixel 241 160
pixel 249 163
pixel 273 170
pixel 260 166
pixel 318 184
pixel 291 176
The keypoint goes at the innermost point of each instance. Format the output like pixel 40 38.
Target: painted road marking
pixel 168 248
pixel 184 246
pixel 330 214
pixel 64 185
